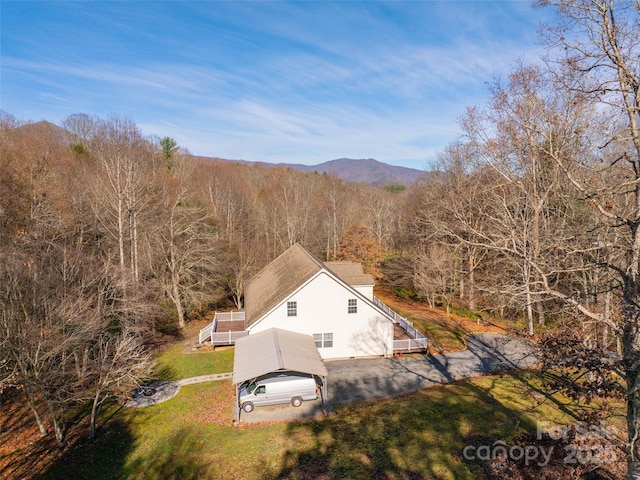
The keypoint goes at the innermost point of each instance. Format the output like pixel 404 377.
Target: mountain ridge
pixel 365 170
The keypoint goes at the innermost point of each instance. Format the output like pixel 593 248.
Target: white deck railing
pixel 419 341
pixel 205 333
pixel 410 344
pixel 227 338
pixel 230 316
pixel 385 309
pixel 410 329
pixel 208 331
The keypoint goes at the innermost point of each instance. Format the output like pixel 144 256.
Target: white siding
pixel 322 306
pixel 366 291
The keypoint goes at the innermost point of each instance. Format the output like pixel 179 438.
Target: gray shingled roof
pixel 277 280
pixel 286 273
pixel 350 272
pixel 273 350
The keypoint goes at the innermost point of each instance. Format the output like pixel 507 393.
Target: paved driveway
pixel 365 379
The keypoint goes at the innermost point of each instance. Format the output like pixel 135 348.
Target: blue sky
pixel 294 82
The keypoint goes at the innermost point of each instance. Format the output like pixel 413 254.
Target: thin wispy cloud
pixel 293 82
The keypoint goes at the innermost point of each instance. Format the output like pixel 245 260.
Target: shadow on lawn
pixel 424 436
pixel 178 455
pixel 420 436
pixel 109 450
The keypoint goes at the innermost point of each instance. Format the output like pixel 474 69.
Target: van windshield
pixel 252 386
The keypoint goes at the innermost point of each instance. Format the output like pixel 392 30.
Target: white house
pixel 333 302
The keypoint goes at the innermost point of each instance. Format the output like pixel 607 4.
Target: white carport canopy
pixel 276 349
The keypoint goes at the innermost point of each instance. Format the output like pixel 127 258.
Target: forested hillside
pixel 533 215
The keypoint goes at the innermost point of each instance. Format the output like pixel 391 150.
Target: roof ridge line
pixel 276 343
pixel 315 259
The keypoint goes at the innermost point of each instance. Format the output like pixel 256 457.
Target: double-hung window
pixel 353 305
pixel 323 340
pixel 292 309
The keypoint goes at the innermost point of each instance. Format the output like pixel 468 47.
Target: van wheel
pixel 296 401
pixel 248 407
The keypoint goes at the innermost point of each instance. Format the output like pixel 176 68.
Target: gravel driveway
pixel 365 379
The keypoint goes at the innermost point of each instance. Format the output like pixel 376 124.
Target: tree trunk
pixel 631 362
pixel 57 427
pixel 134 248
pixel 529 311
pixel 175 296
pixel 471 290
pixel 540 311
pixel 95 409
pixel 34 409
pixel 121 235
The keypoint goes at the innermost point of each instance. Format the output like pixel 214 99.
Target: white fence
pixel 419 341
pixel 410 344
pixel 386 309
pixel 230 316
pixel 205 333
pixel 409 328
pixel 210 330
pixel 227 338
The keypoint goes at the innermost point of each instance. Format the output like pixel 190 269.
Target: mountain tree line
pixel 532 214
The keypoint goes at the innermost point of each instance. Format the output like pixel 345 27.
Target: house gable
pixel 351 273
pixel 278 280
pixel 288 272
pixel 328 308
pixel 332 302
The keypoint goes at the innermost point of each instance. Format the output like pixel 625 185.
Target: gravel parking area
pixel 366 379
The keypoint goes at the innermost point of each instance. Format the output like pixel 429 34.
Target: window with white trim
pixel 353 305
pixel 292 309
pixel 323 340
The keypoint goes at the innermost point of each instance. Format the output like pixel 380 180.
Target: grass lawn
pixel 442 338
pixel 175 364
pixel 417 436
pixel 421 435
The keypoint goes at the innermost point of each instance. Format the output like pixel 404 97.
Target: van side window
pixel 261 389
pixel 292 309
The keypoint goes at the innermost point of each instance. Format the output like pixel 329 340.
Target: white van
pixel 275 388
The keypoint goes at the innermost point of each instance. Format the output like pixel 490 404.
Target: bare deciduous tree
pixel 186 236
pixel 597 59
pixel 434 275
pixel 123 187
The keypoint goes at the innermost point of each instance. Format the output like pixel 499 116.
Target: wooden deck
pixel 403 342
pixel 237 326
pixel 400 333
pixel 230 326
